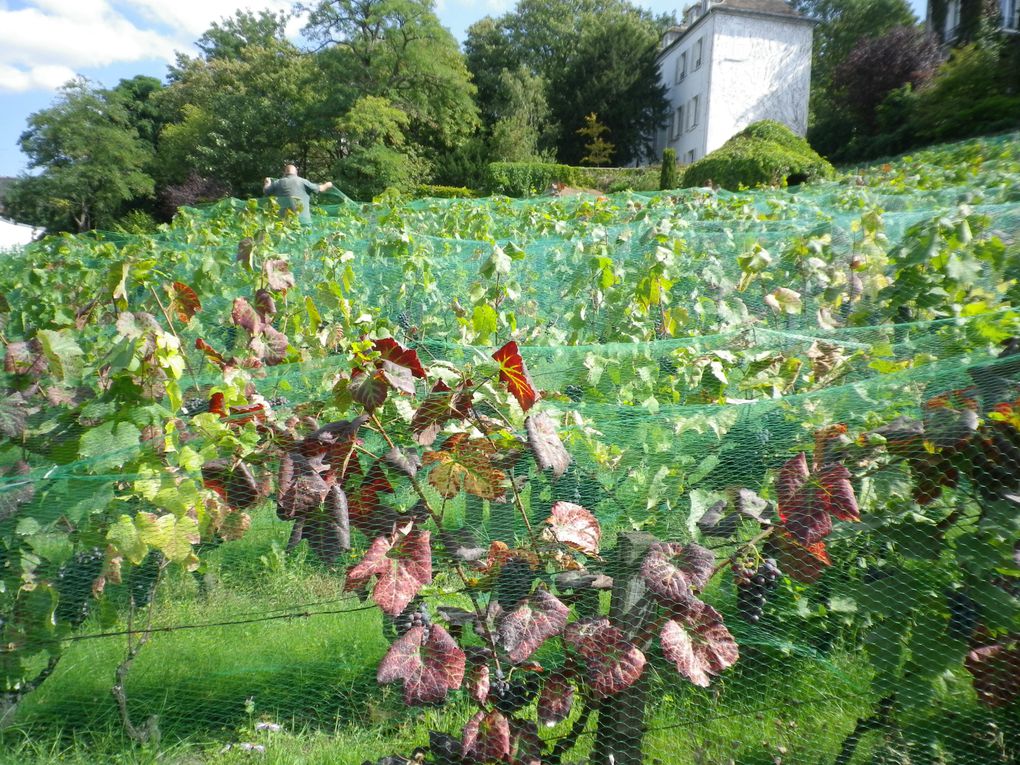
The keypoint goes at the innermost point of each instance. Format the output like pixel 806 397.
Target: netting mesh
pixel 793 431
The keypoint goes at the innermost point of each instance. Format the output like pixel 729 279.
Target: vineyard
pixel 686 477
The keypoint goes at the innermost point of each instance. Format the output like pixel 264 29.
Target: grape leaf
pixel 487 737
pixel 801 563
pixel 996 672
pixel 276 345
pixel 792 476
pixel 243 315
pixel 808 502
pixel 427 660
pixel 612 662
pixel 301 487
pixel 278 275
pixel 392 351
pixel 699 650
pixel 210 353
pixel 439 407
pixel 546 445
pixel 556 699
pixel 514 375
pixel 401 378
pixel 575 527
pixel 245 248
pixel 530 624
pixel 465 464
pixel 184 302
pixel 402 566
pixel 265 304
pixel 672 572
pixel 369 390
pixel 838 494
pixel 478 683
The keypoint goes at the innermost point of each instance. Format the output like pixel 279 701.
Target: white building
pixel 1009 17
pixel 732 63
pixel 14 235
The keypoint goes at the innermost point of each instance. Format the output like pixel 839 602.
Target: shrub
pixel 521 179
pixel 613 179
pixel 764 154
pixel 668 175
pixel 444 192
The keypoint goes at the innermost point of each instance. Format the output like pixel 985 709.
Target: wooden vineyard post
pixel 621 724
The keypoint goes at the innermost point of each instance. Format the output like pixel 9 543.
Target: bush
pixel 668 175
pixel 764 154
pixel 614 179
pixel 444 192
pixel 521 179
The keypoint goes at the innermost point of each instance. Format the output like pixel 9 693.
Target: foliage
pixel 444 192
pixel 521 179
pixel 598 149
pixel 92 162
pixel 227 38
pixel 764 154
pixel 668 178
pixel 521 130
pixel 875 67
pixel 597 55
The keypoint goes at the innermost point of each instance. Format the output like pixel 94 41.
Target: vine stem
pixel 753 541
pixel 180 343
pixel 437 519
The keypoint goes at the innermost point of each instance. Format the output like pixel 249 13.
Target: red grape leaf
pixel 210 353
pixel 401 378
pixel 429 662
pixel 402 566
pixel 531 623
pixel 487 737
pixel 184 301
pixel 672 572
pixel 556 699
pixel 278 275
pixel 612 662
pixel 514 375
pixel 276 343
pixel 837 492
pixel 802 563
pixel 996 672
pixel 465 463
pixel 245 248
pixel 217 404
pixel 575 527
pixel 700 650
pixel 301 488
pixel 526 746
pixel 242 488
pixel 392 351
pixel 545 443
pixel 369 390
pixel 478 683
pixel 441 406
pixel 265 304
pixel 792 476
pixel 243 315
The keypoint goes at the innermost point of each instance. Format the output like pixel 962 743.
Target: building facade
pixel 732 63
pixel 945 18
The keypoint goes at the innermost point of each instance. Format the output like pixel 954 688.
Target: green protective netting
pixel 825 377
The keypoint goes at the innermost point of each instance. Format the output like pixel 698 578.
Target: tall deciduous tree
pixel 91 158
pixel 397 50
pixel 594 55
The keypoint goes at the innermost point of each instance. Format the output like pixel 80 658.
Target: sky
pixel 44 43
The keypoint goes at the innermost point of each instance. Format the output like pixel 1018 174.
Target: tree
pixel 594 55
pixel 878 65
pixel 92 161
pixel 237 119
pixel 842 23
pixel 379 155
pixel 228 37
pixel 522 132
pixel 397 50
pixel 598 151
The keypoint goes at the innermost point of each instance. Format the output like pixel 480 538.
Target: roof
pixel 779 7
pixel 766 8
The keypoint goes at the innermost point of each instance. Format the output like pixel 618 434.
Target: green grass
pixel 315 676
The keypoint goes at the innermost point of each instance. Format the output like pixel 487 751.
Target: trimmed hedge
pixel 523 179
pixel 763 154
pixel 444 192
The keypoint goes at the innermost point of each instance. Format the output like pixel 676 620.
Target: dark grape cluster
pixel 193 406
pixel 753 588
pixel 415 615
pixel 74 585
pixel 509 695
pixel 404 320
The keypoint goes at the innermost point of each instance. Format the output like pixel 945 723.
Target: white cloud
pixel 14 80
pixel 44 43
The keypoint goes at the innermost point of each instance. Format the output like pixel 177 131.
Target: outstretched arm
pixel 325 186
pixel 266 183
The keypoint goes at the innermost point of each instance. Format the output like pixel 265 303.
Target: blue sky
pixel 43 43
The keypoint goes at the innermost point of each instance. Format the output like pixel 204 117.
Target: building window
pixel 681 67
pixel 689 159
pixel 697 52
pixel 1011 14
pixel 678 123
pixel 952 19
pixel 692 113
